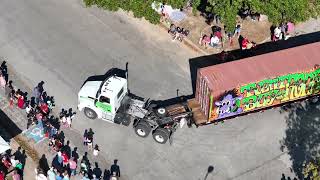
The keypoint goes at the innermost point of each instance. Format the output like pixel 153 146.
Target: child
pixel 89 143
pixel 96 150
pixel 68 119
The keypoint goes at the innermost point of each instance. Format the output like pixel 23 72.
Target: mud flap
pixel 171 138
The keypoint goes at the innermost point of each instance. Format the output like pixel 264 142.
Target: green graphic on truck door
pixel 104 106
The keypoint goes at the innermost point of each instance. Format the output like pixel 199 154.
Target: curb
pixel 186 42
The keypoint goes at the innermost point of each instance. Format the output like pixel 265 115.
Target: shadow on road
pixel 8 129
pixel 302 136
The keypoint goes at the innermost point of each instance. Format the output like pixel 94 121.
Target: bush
pixel 140 8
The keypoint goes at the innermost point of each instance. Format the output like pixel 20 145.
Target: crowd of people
pixel 13 163
pixel 283 31
pixel 177 33
pixel 217 38
pixel 65 163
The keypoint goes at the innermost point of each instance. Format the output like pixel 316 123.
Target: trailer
pixel 222 91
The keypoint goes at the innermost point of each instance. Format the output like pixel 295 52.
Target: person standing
pixel 1 175
pixel 115 168
pixel 51 174
pixel 16 175
pixel 65 159
pixel 89 143
pixel 2 81
pixel 40 175
pixel 69 121
pixel 114 176
pixel 73 166
pixel 65 176
pixel 90 134
pixel 85 137
pixel 11 98
pixel 96 150
pixel 21 102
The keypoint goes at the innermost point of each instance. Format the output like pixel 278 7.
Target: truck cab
pixel 102 99
pixel 109 99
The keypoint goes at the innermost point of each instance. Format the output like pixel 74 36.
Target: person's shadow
pixel 43 164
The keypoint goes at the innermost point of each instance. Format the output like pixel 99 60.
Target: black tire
pixel 142 129
pixel 91 114
pixel 161 112
pixel 161 135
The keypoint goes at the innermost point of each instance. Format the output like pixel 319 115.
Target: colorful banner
pixel 265 93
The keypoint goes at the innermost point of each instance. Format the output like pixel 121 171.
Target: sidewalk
pixel 18 116
pixel 256 31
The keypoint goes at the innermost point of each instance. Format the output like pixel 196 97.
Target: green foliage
pixel 287 10
pixel 227 10
pixel 311 171
pixel 277 11
pixel 89 3
pixel 140 8
pixel 195 5
pixel 176 3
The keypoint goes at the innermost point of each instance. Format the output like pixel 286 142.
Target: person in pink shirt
pixel 73 166
pixel 15 175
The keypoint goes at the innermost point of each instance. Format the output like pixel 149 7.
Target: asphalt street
pixel 63 43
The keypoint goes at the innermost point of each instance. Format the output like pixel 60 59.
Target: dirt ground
pixel 257 31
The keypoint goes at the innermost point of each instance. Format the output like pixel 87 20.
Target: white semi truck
pixel 109 99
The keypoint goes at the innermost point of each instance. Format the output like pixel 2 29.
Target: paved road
pixel 63 43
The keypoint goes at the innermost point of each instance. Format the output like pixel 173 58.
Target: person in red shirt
pixel 1 175
pixel 218 34
pixel 21 102
pixel 65 159
pixel 244 43
pixel 44 108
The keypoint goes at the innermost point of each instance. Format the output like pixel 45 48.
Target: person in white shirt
pixel 277 33
pixel 214 41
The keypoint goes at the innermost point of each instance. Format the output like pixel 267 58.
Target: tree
pixel 277 11
pixel 287 10
pixel 311 170
pixel 227 10
pixel 140 8
pixel 302 136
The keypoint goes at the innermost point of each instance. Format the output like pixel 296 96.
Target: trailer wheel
pixel 161 135
pixel 142 129
pixel 91 114
pixel 161 112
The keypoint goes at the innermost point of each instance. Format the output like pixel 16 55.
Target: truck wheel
pixel 161 112
pixel 142 129
pixel 91 114
pixel 161 135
